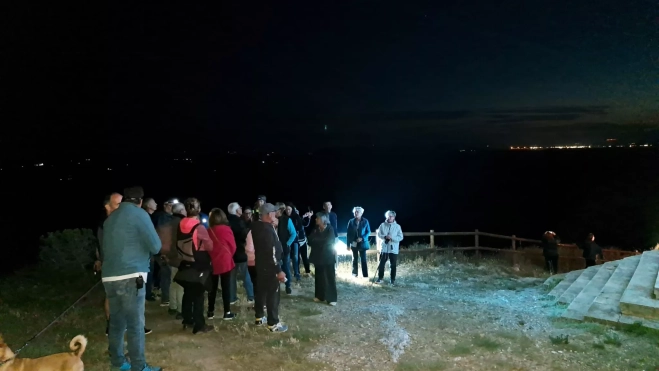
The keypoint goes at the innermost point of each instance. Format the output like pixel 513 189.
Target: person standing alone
pixel 129 240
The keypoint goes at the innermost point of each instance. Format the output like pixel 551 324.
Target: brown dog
pixel 57 362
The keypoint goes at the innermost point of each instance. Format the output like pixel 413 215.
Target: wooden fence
pixel 570 256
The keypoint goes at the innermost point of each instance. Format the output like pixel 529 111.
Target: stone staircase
pixel 620 292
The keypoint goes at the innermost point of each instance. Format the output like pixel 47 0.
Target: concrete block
pixel 582 302
pixel 578 285
pixel 638 298
pixel 606 306
pixel 567 281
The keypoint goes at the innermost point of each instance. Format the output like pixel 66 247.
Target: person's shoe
pixel 124 367
pixel 235 302
pixel 332 303
pixel 278 328
pixel 203 330
pixel 354 275
pixel 147 331
pixel 228 316
pixel 179 315
pixel 211 315
pixel 289 291
pixel 261 321
pixel 164 304
pixel 378 281
pixel 250 302
pixel 297 279
pixel 151 368
pixel 172 312
pixel 151 298
pixel 317 300
pixel 393 283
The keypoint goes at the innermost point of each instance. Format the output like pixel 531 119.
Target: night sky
pixel 308 74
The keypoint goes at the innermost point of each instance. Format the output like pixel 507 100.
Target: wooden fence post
pixel 432 239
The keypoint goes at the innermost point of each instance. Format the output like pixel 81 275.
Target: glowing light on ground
pixel 341 248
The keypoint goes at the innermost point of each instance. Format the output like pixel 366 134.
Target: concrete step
pixel 567 281
pixel 629 320
pixel 656 287
pixel 606 306
pixel 637 300
pixel 578 285
pixel 582 302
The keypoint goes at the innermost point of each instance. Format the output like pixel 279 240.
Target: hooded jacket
pixel 395 231
pixel 240 230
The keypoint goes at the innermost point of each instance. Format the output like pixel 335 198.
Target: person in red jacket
pixel 224 246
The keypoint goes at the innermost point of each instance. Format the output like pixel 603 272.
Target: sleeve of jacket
pixel 99 247
pixel 204 238
pixel 292 232
pixel 148 233
pixel 367 230
pixel 398 236
pixel 381 232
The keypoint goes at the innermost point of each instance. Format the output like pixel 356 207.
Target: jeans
pixel 268 295
pixel 286 267
pixel 225 280
pixel 240 271
pixel 254 278
pixel 392 262
pixel 149 281
pixel 165 282
pixel 193 305
pixel 175 292
pixel 295 260
pixel 325 283
pixel 357 255
pixel 126 315
pixel 304 256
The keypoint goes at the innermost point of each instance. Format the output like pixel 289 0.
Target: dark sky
pixel 306 73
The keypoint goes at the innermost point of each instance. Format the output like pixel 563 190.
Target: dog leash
pixel 50 324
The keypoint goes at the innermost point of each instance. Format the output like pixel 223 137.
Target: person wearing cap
pixel 260 201
pixel 267 258
pixel 391 234
pixel 168 235
pixel 129 240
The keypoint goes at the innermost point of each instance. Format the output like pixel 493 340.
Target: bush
pixel 70 249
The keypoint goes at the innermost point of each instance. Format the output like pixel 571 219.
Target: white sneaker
pixel 250 302
pixel 333 303
pixel 278 328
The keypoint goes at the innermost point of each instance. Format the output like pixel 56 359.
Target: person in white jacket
pixel 391 234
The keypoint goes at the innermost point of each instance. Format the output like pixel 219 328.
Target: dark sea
pixel 613 193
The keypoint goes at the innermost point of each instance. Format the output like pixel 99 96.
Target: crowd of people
pixel 187 254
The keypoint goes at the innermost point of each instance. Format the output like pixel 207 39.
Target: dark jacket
pixel 168 233
pixel 240 231
pixel 591 250
pixel 99 237
pixel 300 223
pixel 363 230
pixel 333 222
pixel 322 247
pixel 550 247
pixel 267 249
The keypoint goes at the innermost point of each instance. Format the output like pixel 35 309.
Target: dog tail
pixel 78 345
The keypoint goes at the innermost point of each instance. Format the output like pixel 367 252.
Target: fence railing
pixel 570 255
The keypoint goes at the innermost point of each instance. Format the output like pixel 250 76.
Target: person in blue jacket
pixel 357 240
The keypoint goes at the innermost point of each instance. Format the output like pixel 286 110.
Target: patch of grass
pixel 486 343
pixel 612 339
pixel 461 349
pixel 559 339
pixel 421 366
pixel 308 312
pixel 599 346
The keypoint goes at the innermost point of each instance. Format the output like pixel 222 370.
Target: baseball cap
pixel 261 198
pixel 267 208
pixel 134 193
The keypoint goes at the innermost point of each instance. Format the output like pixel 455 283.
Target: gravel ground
pixel 457 315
